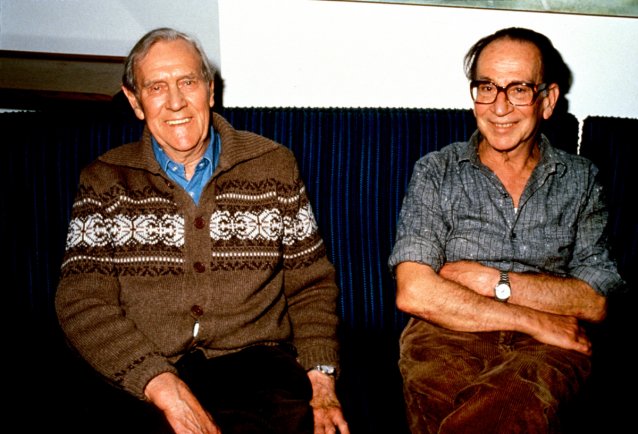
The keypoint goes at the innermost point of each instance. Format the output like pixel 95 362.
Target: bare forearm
pixel 423 293
pixel 542 292
pixel 558 295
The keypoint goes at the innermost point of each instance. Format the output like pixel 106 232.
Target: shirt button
pixel 199 267
pixel 199 223
pixel 197 310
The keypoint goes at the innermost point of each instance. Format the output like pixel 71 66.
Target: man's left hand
pixel 326 407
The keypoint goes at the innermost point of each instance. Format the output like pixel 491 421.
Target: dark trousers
pixel 496 382
pixel 261 389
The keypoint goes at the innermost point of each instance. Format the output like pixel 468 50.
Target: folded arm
pixel 430 296
pixel 543 292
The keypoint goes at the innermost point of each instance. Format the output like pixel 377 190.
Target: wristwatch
pixel 326 369
pixel 503 291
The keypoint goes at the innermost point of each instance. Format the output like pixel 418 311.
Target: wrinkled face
pixel 173 98
pixel 505 127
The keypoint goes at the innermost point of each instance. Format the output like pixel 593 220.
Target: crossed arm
pixel 460 297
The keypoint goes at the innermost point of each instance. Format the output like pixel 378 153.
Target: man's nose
pixel 176 99
pixel 502 104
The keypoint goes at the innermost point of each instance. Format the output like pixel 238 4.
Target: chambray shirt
pixel 203 171
pixel 457 209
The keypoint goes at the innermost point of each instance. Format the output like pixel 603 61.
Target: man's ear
pixel 550 98
pixel 211 90
pixel 135 104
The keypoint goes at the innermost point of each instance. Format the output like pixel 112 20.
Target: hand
pixel 325 405
pixel 562 331
pixel 472 275
pixel 180 407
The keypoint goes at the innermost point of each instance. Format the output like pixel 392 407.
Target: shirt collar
pixel 550 159
pixel 164 160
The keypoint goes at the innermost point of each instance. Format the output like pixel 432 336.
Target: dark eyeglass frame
pixel 537 88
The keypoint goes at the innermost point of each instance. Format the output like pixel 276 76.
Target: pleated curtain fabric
pixel 356 163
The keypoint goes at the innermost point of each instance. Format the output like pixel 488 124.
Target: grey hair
pixel 143 46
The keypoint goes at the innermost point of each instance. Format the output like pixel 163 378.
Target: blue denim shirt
pixel 457 209
pixel 203 171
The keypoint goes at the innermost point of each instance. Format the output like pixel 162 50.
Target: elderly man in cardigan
pixel 194 275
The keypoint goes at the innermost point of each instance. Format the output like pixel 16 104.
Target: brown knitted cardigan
pixel 143 262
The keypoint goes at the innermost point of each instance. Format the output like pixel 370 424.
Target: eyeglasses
pixel 517 93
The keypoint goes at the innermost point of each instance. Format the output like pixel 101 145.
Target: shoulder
pixel 572 165
pixel 239 147
pixel 449 156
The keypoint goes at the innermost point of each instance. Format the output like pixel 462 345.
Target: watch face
pixel 502 291
pixel 327 369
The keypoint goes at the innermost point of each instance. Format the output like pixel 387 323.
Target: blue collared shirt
pixel 203 171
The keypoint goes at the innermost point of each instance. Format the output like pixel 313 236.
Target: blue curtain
pixel 356 164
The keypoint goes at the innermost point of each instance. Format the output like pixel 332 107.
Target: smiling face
pixel 505 127
pixel 173 98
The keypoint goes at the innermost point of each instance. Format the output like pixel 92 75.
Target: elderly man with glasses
pixel 501 257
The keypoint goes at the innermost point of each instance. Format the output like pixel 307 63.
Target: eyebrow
pixel 491 80
pixel 190 76
pixel 508 84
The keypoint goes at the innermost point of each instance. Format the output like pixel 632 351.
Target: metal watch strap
pixel 503 290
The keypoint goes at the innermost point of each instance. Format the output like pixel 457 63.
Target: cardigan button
pixel 197 311
pixel 199 267
pixel 199 223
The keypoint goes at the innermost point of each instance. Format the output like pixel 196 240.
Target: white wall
pixel 335 53
pixel 105 27
pixel 317 53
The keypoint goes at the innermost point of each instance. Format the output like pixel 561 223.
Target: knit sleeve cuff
pixel 140 373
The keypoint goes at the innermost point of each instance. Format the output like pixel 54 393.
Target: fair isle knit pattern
pixel 244 234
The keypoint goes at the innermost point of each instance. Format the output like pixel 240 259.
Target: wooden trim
pixel 61 56
pixel 30 77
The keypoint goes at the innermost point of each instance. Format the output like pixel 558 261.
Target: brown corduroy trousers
pixel 487 383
